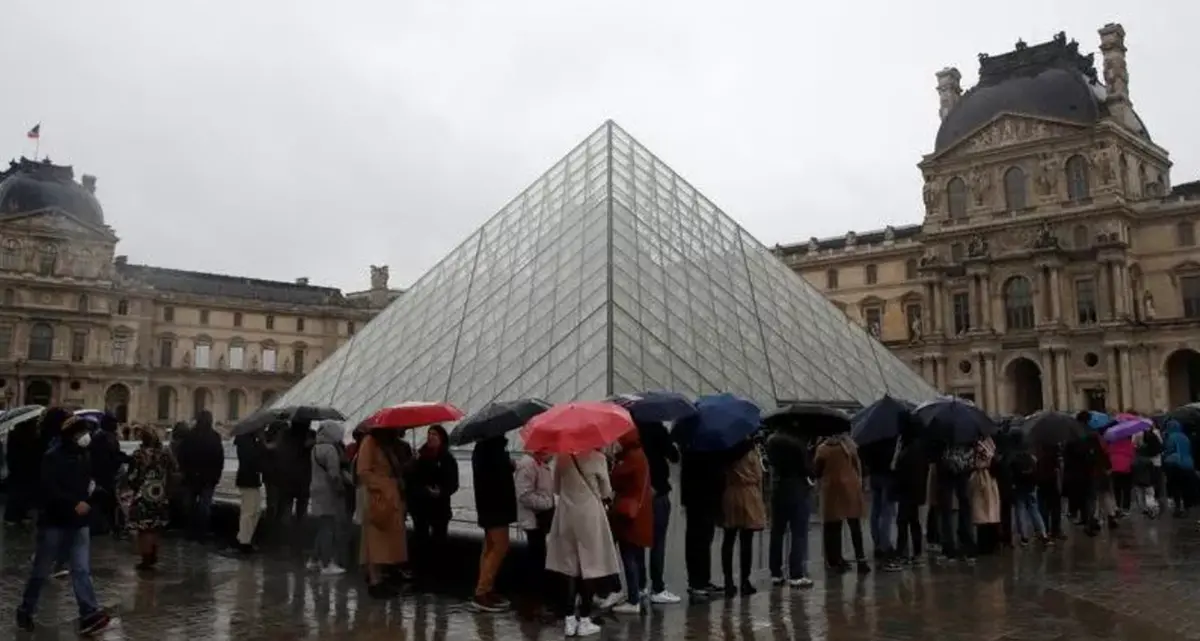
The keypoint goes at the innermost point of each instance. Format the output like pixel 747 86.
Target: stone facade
pixel 82 327
pixel 1056 266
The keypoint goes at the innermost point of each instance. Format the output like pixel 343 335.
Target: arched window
pixel 910 269
pixel 1185 234
pixel 1079 237
pixel 11 257
pixel 1014 189
pixel 236 400
pixel 41 342
pixel 956 197
pixel 83 303
pixel 1077 179
pixel 1018 303
pixel 872 274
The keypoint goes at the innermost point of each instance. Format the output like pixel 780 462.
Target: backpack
pixel 957 459
pixel 1151 445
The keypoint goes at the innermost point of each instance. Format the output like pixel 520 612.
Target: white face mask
pixel 84 440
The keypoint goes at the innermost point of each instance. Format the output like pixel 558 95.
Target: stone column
pixel 1055 296
pixel 986 301
pixel 993 384
pixel 1105 300
pixel 1047 366
pixel 1126 380
pixel 1121 291
pixel 929 318
pixel 943 374
pixel 1113 390
pixel 1064 389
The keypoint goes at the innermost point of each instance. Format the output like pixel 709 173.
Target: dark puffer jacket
pixel 65 483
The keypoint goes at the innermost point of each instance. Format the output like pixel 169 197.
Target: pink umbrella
pixel 1125 416
pixel 1127 429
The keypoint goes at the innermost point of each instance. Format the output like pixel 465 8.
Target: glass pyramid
pixel 609 274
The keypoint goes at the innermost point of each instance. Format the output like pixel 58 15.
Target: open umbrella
pixel 310 413
pixel 880 421
pixel 808 418
pixel 497 419
pixel 656 407
pixel 412 415
pixel 10 418
pixel 721 421
pixel 1052 428
pixel 1127 429
pixel 574 428
pixel 954 420
pixel 257 421
pixel 1098 420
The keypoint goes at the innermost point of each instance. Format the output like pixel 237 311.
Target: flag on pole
pixel 35 133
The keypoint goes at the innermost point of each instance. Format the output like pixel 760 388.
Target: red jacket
pixel 1120 456
pixel 632 511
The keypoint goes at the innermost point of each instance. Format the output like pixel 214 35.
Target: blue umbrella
pixel 1099 420
pixel 656 407
pixel 955 420
pixel 721 421
pixel 880 421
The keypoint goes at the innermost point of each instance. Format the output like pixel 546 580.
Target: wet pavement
pixel 1141 582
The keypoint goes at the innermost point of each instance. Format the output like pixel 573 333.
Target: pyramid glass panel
pixel 608 274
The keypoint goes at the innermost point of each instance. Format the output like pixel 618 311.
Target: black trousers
pixel 429 540
pixel 1005 533
pixel 1122 483
pixel 908 528
pixel 933 525
pixel 1050 505
pixel 832 534
pixel 698 539
pixel 733 537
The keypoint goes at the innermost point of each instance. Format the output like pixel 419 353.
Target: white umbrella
pixel 18 415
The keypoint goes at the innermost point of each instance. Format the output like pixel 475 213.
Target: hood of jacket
pixel 1172 426
pixel 330 432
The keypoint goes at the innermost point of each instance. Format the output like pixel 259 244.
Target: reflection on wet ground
pixel 1140 583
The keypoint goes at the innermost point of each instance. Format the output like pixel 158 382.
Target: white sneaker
pixel 607 602
pixel 627 608
pixel 802 582
pixel 586 627
pixel 333 569
pixel 665 598
pixel 571 626
pixel 61 572
pixel 312 565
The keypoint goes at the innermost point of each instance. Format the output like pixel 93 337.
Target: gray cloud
pixel 240 137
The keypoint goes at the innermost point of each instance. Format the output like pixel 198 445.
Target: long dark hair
pixel 443 437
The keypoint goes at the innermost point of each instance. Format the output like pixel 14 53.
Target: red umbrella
pixel 409 415
pixel 574 428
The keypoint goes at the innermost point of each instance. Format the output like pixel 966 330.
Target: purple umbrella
pixel 1127 429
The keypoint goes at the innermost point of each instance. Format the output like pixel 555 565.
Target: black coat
pixel 24 454
pixel 660 451
pixel 439 471
pixel 66 475
pixel 251 453
pixel 201 458
pixel 911 473
pixel 107 457
pixel 702 478
pixel 791 465
pixel 495 490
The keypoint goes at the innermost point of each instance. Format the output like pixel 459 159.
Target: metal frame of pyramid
pixel 609 274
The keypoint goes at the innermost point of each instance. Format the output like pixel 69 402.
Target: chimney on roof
pixel 121 260
pixel 302 280
pixel 949 88
pixel 89 183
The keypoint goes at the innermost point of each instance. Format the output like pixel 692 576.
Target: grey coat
pixel 330 482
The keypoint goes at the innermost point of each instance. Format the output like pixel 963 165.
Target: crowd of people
pixel 596 522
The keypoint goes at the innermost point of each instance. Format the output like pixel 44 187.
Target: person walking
pixel 327 494
pixel 580 546
pixel 381 468
pixel 632 517
pixel 836 464
pixel 791 506
pixel 496 510
pixel 66 488
pixel 251 453
pixel 152 472
pixel 742 515
pixel 910 485
pixel 661 452
pixel 432 480
pixel 534 481
pixel 201 462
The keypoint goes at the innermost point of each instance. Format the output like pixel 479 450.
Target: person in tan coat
pixel 836 464
pixel 742 514
pixel 381 466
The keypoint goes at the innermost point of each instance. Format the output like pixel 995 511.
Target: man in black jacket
pixel 24 457
pixel 660 453
pixel 496 508
pixel 201 461
pixel 66 491
pixel 791 506
pixel 106 457
pixel 701 483
pixel 250 453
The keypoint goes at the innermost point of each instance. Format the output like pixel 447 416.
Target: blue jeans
pixel 658 552
pixel 53 544
pixel 327 545
pixel 1028 515
pixel 883 512
pixel 633 561
pixel 953 487
pixel 199 509
pixel 790 511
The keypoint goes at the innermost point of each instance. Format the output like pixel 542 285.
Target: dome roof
pixel 29 185
pixel 1051 80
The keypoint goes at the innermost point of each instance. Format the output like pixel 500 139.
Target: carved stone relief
pixel 1047 176
pixel 1102 160
pixel 981 186
pixel 1011 131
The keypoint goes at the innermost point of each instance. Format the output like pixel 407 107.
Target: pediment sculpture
pixel 977 247
pixel 1045 238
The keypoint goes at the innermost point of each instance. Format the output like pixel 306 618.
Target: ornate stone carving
pixel 1047 177
pixel 1148 307
pixel 1102 160
pixel 930 258
pixel 977 247
pixel 1112 47
pixel 1011 131
pixel 851 239
pixel 1045 238
pixel 981 186
pixel 949 88
pixel 379 277
pixel 889 234
pixel 813 245
pixel 187 358
pixel 932 193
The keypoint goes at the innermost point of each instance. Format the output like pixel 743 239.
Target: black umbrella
pixel 260 419
pixel 955 421
pixel 256 422
pixel 880 421
pixel 1052 428
pixel 809 419
pixel 1187 415
pixel 497 419
pixel 656 407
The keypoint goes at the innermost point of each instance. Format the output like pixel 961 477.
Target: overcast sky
pixel 245 137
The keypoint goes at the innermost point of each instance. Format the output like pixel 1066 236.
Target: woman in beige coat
pixel 742 514
pixel 985 497
pixel 580 546
pixel 836 464
pixel 382 461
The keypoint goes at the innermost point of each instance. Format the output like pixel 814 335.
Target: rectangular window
pixel 1085 301
pixel 299 324
pixel 831 279
pixel 298 361
pixel 79 346
pixel 169 314
pixel 6 336
pixel 237 357
pixel 962 312
pixel 237 319
pixel 1190 287
pixel 268 359
pixel 350 328
pixel 202 354
pixel 204 317
pixel 874 320
pixel 166 353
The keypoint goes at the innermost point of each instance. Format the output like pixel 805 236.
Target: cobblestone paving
pixel 1141 583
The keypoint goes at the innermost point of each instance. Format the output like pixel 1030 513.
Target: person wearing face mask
pixel 66 491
